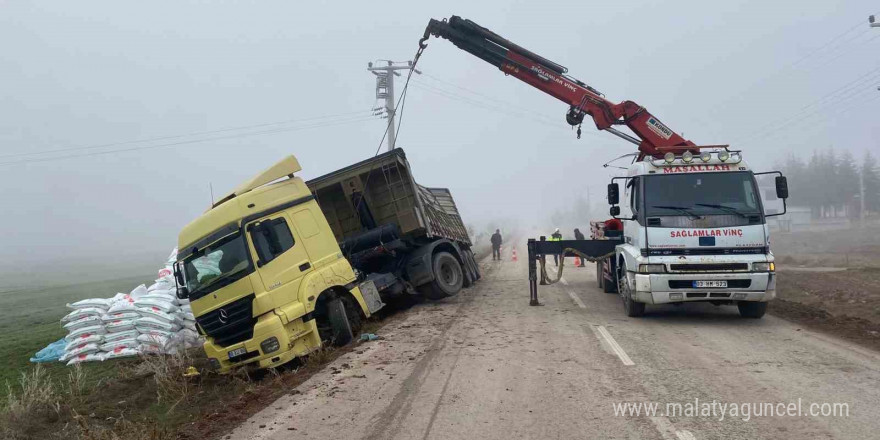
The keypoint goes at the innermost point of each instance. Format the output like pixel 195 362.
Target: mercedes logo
pixel 223 316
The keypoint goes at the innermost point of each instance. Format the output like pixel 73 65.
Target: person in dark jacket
pixel 579 236
pixel 496 245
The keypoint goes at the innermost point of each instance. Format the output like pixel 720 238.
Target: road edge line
pixel 615 347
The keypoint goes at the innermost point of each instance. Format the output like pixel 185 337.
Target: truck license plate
pixel 698 284
pixel 237 352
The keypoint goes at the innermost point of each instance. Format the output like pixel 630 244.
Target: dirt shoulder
pixel 829 280
pixel 844 303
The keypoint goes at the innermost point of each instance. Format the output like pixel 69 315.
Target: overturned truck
pixel 404 237
pixel 279 267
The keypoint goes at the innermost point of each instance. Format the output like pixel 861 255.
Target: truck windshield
pixel 216 265
pixel 701 194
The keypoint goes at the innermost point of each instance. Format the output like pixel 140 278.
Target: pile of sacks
pixel 148 320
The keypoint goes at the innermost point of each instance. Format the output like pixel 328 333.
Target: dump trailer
pixel 404 237
pixel 277 268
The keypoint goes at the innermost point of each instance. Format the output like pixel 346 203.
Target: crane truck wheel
pixel 448 277
pixel 633 309
pixel 607 286
pixel 754 310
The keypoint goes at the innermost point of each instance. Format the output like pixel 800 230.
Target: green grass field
pixel 29 320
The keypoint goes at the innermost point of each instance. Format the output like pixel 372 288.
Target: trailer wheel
pixel 473 261
pixel 468 273
pixel 448 277
pixel 633 309
pixel 754 310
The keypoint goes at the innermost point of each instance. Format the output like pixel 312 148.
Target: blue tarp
pixel 51 353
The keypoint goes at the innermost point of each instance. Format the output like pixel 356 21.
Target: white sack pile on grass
pixel 148 320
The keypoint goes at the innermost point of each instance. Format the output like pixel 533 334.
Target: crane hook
pixel 579 131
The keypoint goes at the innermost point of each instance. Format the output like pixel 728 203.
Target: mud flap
pixel 371 296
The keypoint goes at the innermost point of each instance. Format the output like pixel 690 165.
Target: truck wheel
pixel 344 320
pixel 448 277
pixel 473 261
pixel 608 286
pixel 468 273
pixel 633 309
pixel 754 310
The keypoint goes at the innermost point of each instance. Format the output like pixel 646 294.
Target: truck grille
pixel 230 324
pixel 709 267
pixel 689 284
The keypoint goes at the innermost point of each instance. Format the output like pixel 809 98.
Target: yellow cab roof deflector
pixel 283 168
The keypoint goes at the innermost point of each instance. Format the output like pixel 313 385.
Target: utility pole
pixel 872 23
pixel 862 196
pixel 385 90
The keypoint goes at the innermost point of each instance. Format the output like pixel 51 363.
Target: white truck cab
pixel 694 229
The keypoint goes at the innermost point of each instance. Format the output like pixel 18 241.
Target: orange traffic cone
pixel 514 255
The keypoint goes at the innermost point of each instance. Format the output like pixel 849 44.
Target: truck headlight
pixel 764 267
pixel 270 345
pixel 652 268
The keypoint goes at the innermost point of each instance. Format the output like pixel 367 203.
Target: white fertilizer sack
pixel 82 313
pixel 92 329
pixel 120 325
pixel 101 303
pixel 120 352
pixel 92 357
pixel 83 322
pixel 119 336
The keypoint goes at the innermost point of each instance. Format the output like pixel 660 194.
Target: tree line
pixel 832 184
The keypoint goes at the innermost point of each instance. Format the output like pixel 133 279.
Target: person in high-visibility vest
pixel 556 236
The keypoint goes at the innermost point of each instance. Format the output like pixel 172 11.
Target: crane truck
pixel 280 266
pixel 692 226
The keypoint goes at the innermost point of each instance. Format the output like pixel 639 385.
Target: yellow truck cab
pixel 265 275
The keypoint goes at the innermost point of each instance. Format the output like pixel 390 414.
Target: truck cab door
pixel 279 254
pixel 632 230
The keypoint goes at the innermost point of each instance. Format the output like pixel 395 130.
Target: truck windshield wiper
pixel 688 212
pixel 729 209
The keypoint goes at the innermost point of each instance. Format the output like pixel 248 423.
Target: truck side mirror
pixel 613 194
pixel 615 211
pixel 182 291
pixel 781 187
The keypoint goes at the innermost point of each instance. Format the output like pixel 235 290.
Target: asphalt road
pixel 486 365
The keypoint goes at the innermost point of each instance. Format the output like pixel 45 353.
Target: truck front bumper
pixel 296 338
pixel 665 288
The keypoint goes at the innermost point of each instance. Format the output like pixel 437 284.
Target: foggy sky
pixel 89 73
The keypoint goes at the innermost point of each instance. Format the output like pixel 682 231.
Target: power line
pixel 743 94
pixel 491 98
pixel 533 117
pixel 177 136
pixel 193 141
pixel 457 97
pixel 843 106
pixel 837 114
pixel 829 98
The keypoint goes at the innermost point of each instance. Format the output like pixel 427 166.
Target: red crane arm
pixel 653 137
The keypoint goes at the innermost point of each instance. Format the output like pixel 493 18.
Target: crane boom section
pixel 654 138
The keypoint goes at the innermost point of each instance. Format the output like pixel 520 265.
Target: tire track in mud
pixel 389 422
